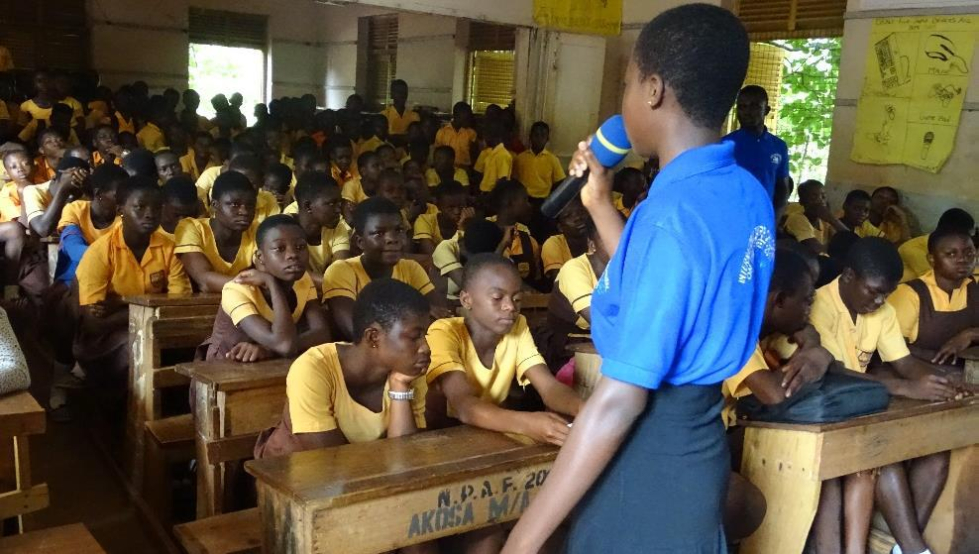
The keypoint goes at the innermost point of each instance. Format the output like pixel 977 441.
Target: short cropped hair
pixel 365 157
pixel 487 260
pixel 140 162
pixel 247 162
pixel 180 189
pixel 449 188
pixel 372 207
pixel 48 131
pixel 942 233
pixel 230 182
pixel 875 257
pixel 136 184
pixel 692 45
pixel 540 125
pixel 274 222
pixel 280 171
pixel 790 269
pixel 386 302
pixel 754 90
pixel 481 236
pixel 313 184
pixel 107 177
pixel 856 195
pixel 505 192
pixel 958 219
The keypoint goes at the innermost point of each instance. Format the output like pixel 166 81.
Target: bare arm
pixel 279 335
pixel 556 395
pixel 46 223
pixel 402 420
pixel 201 271
pixel 597 435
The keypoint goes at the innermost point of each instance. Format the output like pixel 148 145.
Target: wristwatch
pixel 407 395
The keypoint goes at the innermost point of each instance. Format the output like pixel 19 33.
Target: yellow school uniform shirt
pixel 108 267
pixel 98 160
pixel 369 145
pixel 907 303
pixel 865 229
pixel 43 171
pixel 555 253
pixel 205 183
pixel 494 163
pixel 79 213
pixel 459 175
pixel 914 254
pixel 353 191
pixel 195 235
pixel 516 247
pixel 576 281
pixel 188 163
pixel 319 400
pixel 854 343
pixel 453 350
pixel 620 205
pixel 427 227
pixel 76 109
pixel 398 123
pixel 734 387
pixel 265 205
pixel 29 132
pixel 10 202
pixel 29 107
pixel 341 176
pixel 151 138
pixel 460 141
pixel 240 301
pixel 4 111
pixel 538 172
pixel 799 226
pixel 333 241
pixel 36 199
pixel 446 259
pixel 125 125
pixel 346 278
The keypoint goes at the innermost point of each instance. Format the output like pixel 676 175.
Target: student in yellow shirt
pixel 476 358
pixel 629 188
pixel 134 258
pixel 140 163
pixel 62 90
pixel 495 162
pixel 318 213
pixel 179 202
pixel 537 168
pixel 374 130
pixel 572 241
pixel 379 232
pixel 105 142
pixel 167 165
pixel 359 188
pixel 198 158
pixel 50 148
pixel 18 165
pixel 264 308
pixel 341 156
pixel 124 118
pixel 812 226
pixel 251 166
pixel 513 211
pixel 914 253
pixel 397 114
pixel 189 117
pixel 93 218
pixel 39 106
pixel 369 389
pixel 443 169
pixel 278 178
pixel 460 135
pixel 856 210
pixel 44 203
pixel 450 218
pixel 216 249
pixel 389 160
pixel 476 236
pixel 151 135
pixel 887 215
pixel 855 322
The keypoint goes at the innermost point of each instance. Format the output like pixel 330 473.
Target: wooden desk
pixel 971 357
pixel 20 416
pixel 587 368
pixel 233 402
pixel 158 322
pixel 73 538
pixel 374 497
pixel 789 462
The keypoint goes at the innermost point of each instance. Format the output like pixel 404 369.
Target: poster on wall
pixel 917 74
pixel 596 17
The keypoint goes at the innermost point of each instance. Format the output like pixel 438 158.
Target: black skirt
pixel 664 490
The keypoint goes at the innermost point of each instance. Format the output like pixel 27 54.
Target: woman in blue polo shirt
pixel 677 310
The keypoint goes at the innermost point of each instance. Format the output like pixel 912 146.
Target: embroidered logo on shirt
pixel 761 239
pixel 158 280
pixel 776 159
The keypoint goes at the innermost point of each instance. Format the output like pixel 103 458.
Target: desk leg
pixel 210 492
pixel 783 465
pixel 141 361
pixel 953 527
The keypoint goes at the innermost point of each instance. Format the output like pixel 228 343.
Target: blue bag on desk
pixel 835 397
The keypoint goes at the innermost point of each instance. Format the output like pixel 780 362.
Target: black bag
pixel 835 397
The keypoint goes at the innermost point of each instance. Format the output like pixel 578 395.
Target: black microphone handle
pixel 563 195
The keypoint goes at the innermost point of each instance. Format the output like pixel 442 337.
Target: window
pixel 490 71
pixel 382 58
pixel 227 55
pixel 788 19
pixel 764 70
pixel 45 33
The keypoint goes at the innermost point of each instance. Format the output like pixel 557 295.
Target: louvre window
pixel 787 19
pixel 45 33
pixel 382 58
pixel 491 65
pixel 223 28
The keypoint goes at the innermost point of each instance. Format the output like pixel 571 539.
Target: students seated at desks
pixel 939 312
pixel 379 232
pixel 476 358
pixel 341 156
pixel 357 189
pixel 513 211
pixel 887 215
pixel 43 204
pixel 855 213
pixel 538 169
pixel 812 225
pixel 444 169
pixel 452 212
pixel 278 181
pixel 133 258
pixel 855 322
pixel 214 250
pixel 369 389
pixel 914 253
pixel 252 167
pixel 459 135
pixel 151 135
pixel 572 241
pixel 318 213
pixel 167 165
pixel 495 162
pixel 50 148
pixel 179 202
pixel 271 310
pixel 105 141
pixel 475 236
pixel 83 221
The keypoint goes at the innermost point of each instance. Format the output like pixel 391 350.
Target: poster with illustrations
pixel 594 17
pixel 918 71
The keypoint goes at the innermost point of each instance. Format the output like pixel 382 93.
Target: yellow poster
pixel 597 17
pixel 916 80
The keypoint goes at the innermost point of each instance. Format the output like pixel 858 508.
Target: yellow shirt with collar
pixel 453 350
pixel 340 176
pixel 914 255
pixel 240 301
pixel 369 145
pixel 427 227
pixel 188 163
pixel 854 343
pixel 11 203
pixel 398 123
pixel 907 303
pixel 265 205
pixel 125 125
pixel 30 108
pixel 108 268
pixel 555 253
pixel 319 400
pixel 36 199
pixel 446 259
pixel 459 175
pixel 353 191
pixel 346 278
pixel 734 387
pixel 799 226
pixel 460 141
pixel 79 213
pixel 151 138
pixel 98 160
pixel 205 183
pixel 576 281
pixel 196 235
pixel 494 163
pixel 538 172
pixel 865 229
pixel 332 242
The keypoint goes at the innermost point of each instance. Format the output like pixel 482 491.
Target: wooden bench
pixel 170 441
pixel 158 322
pixel 971 357
pixel 789 462
pixel 374 497
pixel 233 403
pixel 232 533
pixel 20 416
pixel 73 538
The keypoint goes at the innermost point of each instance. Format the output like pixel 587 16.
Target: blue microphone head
pixel 610 143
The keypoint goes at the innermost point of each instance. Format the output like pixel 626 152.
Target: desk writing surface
pixel 154 300
pixel 898 408
pixel 231 375
pixel 20 414
pixel 970 353
pixel 352 473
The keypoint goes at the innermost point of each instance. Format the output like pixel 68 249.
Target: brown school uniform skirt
pixel 278 440
pixel 224 336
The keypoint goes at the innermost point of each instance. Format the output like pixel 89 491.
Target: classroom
pixel 509 277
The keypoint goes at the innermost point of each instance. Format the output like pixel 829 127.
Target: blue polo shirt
pixel 682 300
pixel 766 156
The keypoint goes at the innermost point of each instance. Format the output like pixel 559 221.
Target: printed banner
pixel 597 17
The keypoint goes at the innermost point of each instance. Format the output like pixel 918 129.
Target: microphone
pixel 610 145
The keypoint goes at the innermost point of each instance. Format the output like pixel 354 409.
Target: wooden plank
pixel 20 502
pixel 183 332
pixel 207 428
pixel 231 449
pixel 228 376
pixel 143 357
pixel 20 414
pixel 155 300
pixel 236 532
pixel 952 528
pixel 73 538
pixel 167 377
pixel 252 410
pixel 173 429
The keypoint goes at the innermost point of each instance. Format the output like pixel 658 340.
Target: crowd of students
pixel 348 240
